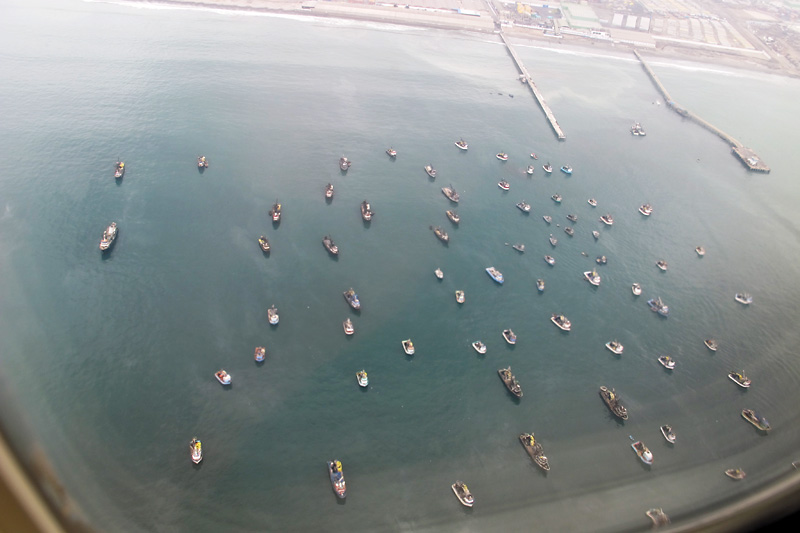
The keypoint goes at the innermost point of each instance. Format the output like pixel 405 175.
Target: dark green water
pixel 112 357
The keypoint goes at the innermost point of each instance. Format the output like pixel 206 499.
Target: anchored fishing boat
pixel 441 234
pixel 272 314
pixel 463 494
pixel 592 277
pixel 275 212
pixel 263 243
pixel 739 378
pixel 479 347
pixel 711 344
pixel 642 451
pixel 667 362
pixel 260 354
pixel 329 191
pixel 391 152
pixel 352 298
pixel 223 377
pixel 615 347
pixel 462 144
pixel 362 378
pixel 196 450
pixel 735 473
pixel 509 336
pixel 348 327
pixel 510 381
pixel 202 162
pixel 669 435
pixel 329 245
pixel 757 420
pixel 337 478
pixel 561 321
pixel 460 296
pixel 451 194
pixel 344 163
pixel 430 171
pixel 119 169
pixel 612 401
pixel 408 347
pixel 535 450
pixel 495 274
pixel 366 211
pixel 109 235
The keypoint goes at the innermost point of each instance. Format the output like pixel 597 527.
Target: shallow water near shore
pixel 112 356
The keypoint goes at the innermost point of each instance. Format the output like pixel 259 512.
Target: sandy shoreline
pixel 446 18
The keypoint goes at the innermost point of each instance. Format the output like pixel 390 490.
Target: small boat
pixel 495 274
pixel 592 202
pixel 711 344
pixel 535 450
pixel 540 284
pixel 119 169
pixel 451 194
pixel 700 251
pixel 503 184
pixel 260 354
pixel 524 206
pixel 344 163
pixel 510 381
pixel 348 327
pixel 272 314
pixel 202 162
pixel 657 306
pixel 757 420
pixel 569 231
pixel 479 347
pixel 602 260
pixel 453 216
pixel 607 219
pixel 329 191
pixel 643 452
pixel 534 156
pixel 109 235
pixel 547 218
pixel 658 517
pixel 391 152
pixel 662 265
pixel 612 401
pixel 616 347
pixel 352 298
pixel 743 298
pixel 667 362
pixel 548 168
pixel 337 478
pixel 362 378
pixel 460 296
pixel 636 289
pixel 735 473
pixel 561 321
pixel 430 171
pixel 329 245
pixel 509 336
pixel 529 170
pixel 592 277
pixel 637 130
pixel 549 260
pixel 408 347
pixel 646 210
pixel 223 377
pixel 263 243
pixel 518 247
pixel 739 379
pixel 556 198
pixel 566 169
pixel 275 212
pixel 441 234
pixel 502 156
pixel 439 274
pixel 462 144
pixel 595 234
pixel 572 218
pixel 463 494
pixel 553 240
pixel 196 450
pixel 668 434
pixel 366 211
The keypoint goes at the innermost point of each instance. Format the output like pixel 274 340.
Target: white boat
pixel 607 219
pixel 518 247
pixel 462 144
pixel 646 210
pixel 529 171
pixel 735 473
pixel 509 336
pixel 547 218
pixel 595 234
pixel 462 493
pixel 223 377
pixel 700 251
pixel 272 313
pixel 503 184
pixel 391 152
pixel 740 379
pixel 615 347
pixel 602 260
pixel 119 171
pixel 637 289
pixel 196 450
pixel 408 347
pixel 502 156
pixel 109 235
pixel 362 378
pixel 348 327
pixel 548 168
pixel 566 169
pixel 667 362
pixel 460 296
pixel 495 274
pixel 260 354
pixel 430 171
pixel 550 260
pixel 557 198
pixel 668 434
pixel 439 274
pixel 643 452
pixel 540 285
pixel 658 516
pixel 711 344
pixel 479 347
pixel 592 277
pixel 662 265
pixel 592 202
pixel 553 240
pixel 524 206
pixel 561 321
pixel 743 298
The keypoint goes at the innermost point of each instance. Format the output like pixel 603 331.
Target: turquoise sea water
pixel 112 356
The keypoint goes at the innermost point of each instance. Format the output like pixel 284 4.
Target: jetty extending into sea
pixel 526 78
pixel 746 155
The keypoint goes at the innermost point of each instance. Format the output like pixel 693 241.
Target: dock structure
pixel 525 77
pixel 746 155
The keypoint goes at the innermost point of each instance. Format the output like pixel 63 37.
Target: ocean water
pixel 111 357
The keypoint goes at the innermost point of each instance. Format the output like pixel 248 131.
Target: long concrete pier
pixel 526 78
pixel 746 155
